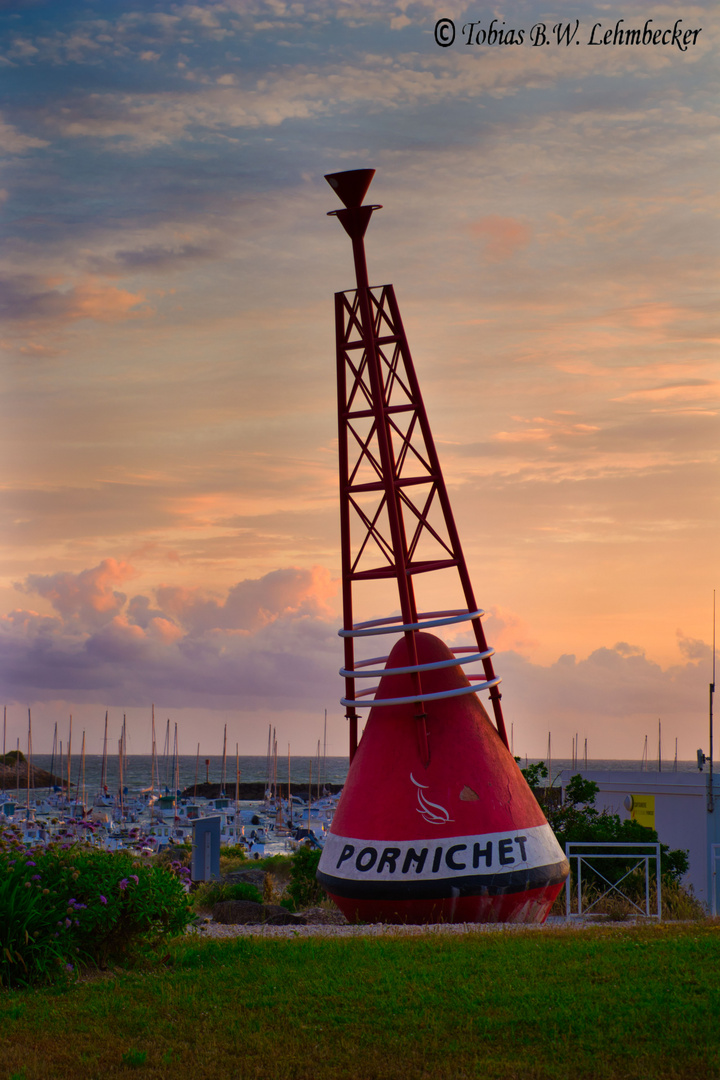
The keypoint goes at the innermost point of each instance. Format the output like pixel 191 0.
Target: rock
pixel 12 777
pixel 238 911
pixel 250 877
pixel 276 915
pixel 325 916
pixel 247 912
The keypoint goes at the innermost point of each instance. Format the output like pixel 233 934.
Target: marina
pixel 116 805
pixel 254 813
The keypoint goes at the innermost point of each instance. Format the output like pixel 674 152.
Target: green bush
pixel 69 904
pixel 577 819
pixel 304 888
pixel 208 893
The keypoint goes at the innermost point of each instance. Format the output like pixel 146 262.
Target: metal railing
pixel 633 856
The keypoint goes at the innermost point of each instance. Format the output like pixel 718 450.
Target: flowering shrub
pixel 69 904
pixel 182 873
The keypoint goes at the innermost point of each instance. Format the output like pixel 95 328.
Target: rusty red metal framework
pixel 395 515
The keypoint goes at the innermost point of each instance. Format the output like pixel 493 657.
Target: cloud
pixel 30 298
pixel 693 648
pixel 215 101
pixel 251 604
pixel 613 697
pixel 502 237
pixel 271 644
pixel 154 257
pixel 87 598
pixel 14 142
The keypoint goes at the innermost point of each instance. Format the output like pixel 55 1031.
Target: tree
pixel 577 819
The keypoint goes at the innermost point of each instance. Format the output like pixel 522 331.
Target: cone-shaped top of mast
pixel 351 186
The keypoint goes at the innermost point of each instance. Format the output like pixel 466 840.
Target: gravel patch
pixel 335 929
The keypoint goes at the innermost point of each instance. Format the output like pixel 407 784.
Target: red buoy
pixel 445 830
pixel 436 822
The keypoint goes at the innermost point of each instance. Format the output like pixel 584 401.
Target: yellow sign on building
pixel 643 810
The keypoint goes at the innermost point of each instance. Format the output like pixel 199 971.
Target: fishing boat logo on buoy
pixel 430 811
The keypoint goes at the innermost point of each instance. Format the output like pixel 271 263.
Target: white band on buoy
pixel 347 673
pixel 441 695
pixel 426 620
pixel 506 861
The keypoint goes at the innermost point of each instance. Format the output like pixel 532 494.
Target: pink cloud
pixel 87 597
pixel 271 644
pixel 252 603
pixel 30 298
pixel 503 236
pixel 105 303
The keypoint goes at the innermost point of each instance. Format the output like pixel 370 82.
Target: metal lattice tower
pixel 395 514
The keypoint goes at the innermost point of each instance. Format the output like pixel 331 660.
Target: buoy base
pixel 530 906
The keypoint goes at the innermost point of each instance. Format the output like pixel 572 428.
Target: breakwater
pixel 253 791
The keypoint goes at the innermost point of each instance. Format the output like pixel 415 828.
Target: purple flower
pixel 123 884
pixel 135 878
pixel 103 900
pixel 29 863
pixel 37 877
pixel 68 922
pixel 69 967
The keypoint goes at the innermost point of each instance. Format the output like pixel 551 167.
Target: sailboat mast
pixel 237 787
pixel 103 772
pixel 177 764
pixel 120 774
pixel 69 757
pixel 82 757
pixel 153 751
pixel 549 754
pixel 711 794
pixel 166 751
pixel 324 769
pixel 52 759
pixel 29 762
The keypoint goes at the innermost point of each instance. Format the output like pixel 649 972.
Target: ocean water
pixel 137 769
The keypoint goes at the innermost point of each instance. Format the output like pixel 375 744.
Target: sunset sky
pixel 169 442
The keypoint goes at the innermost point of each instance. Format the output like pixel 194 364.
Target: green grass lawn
pixel 630 1002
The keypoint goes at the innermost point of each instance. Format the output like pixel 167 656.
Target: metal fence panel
pixel 634 855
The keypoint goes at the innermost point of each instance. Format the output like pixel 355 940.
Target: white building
pixel 678 807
